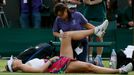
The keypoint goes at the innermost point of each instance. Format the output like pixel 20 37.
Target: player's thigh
pixel 78 67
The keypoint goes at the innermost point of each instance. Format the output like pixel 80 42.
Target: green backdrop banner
pixel 13 41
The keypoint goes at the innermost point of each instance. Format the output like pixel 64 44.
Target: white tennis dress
pixel 36 63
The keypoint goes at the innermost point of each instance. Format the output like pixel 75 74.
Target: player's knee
pixel 89 66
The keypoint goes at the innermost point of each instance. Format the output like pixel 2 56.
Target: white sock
pixel 90 58
pixel 120 71
pixel 99 55
pixel 95 30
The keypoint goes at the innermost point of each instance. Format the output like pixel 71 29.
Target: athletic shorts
pixel 59 65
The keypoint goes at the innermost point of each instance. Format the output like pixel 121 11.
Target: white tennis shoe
pixel 100 30
pixel 126 69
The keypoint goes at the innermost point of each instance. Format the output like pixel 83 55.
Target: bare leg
pixel 80 67
pixel 98 59
pixel 99 49
pixel 66 48
pixel 83 67
pixel 90 54
pixel 77 35
pixel 99 31
pixel 90 51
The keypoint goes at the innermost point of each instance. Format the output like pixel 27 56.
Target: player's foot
pixel 100 30
pixel 126 68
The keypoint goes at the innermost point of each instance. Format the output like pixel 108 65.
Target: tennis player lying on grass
pixel 65 62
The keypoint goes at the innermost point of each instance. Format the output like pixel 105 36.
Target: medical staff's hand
pixel 63 35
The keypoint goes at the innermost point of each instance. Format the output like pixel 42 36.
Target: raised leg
pixel 66 48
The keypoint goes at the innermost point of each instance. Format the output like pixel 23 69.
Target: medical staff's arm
pixel 88 26
pixel 57 34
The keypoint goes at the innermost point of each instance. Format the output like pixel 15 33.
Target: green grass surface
pixel 3 63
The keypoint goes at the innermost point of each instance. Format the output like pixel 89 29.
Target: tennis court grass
pixel 3 63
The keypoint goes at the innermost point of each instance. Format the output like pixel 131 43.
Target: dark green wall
pixel 124 37
pixel 122 4
pixel 13 41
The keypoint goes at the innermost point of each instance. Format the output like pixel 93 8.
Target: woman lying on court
pixel 65 63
